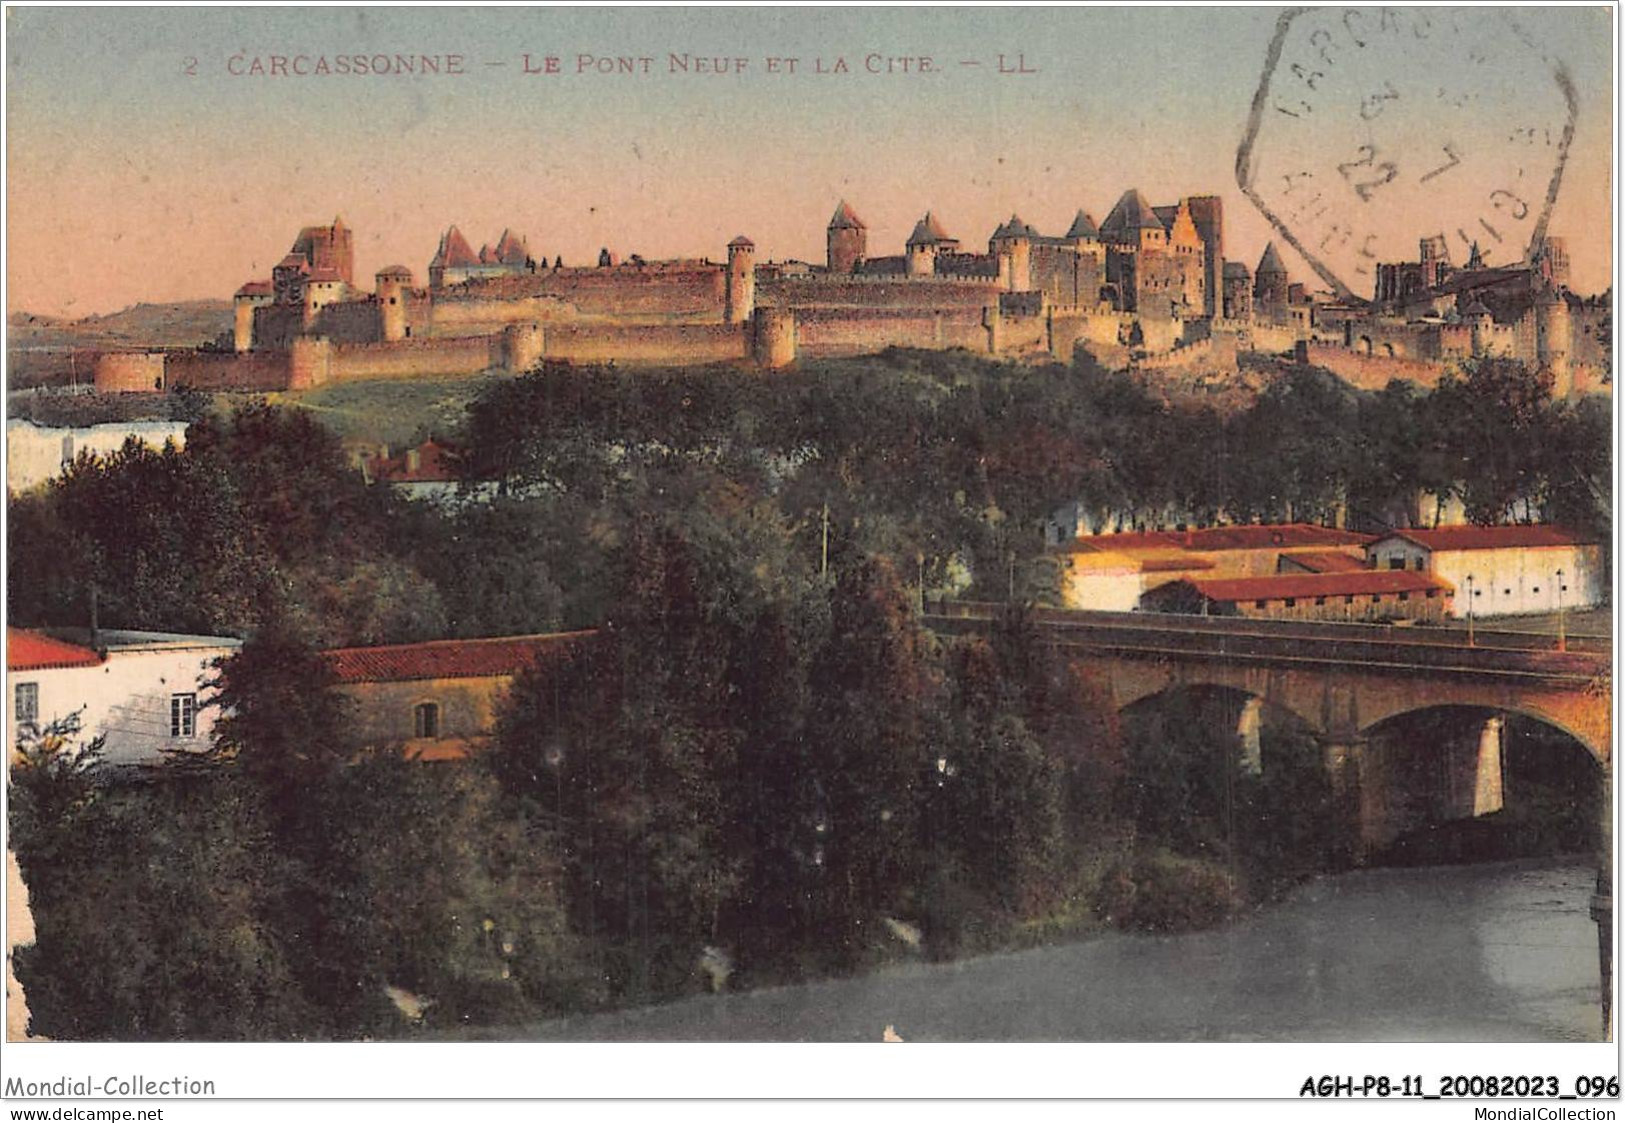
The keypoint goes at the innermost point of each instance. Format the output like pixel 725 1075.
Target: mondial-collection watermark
pixel 84 1087
pixel 1541 1114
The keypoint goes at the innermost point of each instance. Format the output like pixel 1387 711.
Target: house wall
pixel 384 712
pixel 1109 587
pixel 37 453
pixel 1510 582
pixel 127 699
pixel 1358 608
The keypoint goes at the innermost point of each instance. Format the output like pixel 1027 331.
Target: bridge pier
pixel 1345 758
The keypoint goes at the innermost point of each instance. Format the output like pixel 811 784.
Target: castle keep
pixel 1149 285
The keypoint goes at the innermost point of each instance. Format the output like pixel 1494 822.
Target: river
pixel 1494 952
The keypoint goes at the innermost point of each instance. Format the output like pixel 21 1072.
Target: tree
pixel 872 687
pixel 1495 421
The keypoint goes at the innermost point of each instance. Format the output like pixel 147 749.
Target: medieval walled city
pixel 1149 287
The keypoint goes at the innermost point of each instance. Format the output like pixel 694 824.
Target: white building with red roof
pixel 1501 570
pixel 145 693
pixel 1110 572
pixel 1348 595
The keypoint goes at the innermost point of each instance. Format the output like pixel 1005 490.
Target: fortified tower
pixel 740 300
pixel 1551 261
pixel 923 244
pixel 328 247
pixel 1478 320
pixel 848 240
pixel 1552 329
pixel 1207 211
pixel 392 285
pixel 1012 244
pixel 253 295
pixel 1269 283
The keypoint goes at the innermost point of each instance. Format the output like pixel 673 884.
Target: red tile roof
pixel 1326 561
pixel 449 658
pixel 1275 536
pixel 1281 585
pixel 435 464
pixel 454 251
pixel 36 651
pixel 1174 563
pixel 325 273
pixel 511 249
pixel 256 288
pixel 1446 538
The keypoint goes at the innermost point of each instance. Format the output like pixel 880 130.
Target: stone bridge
pixel 1343 681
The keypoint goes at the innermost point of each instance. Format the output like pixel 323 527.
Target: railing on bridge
pixel 1297 641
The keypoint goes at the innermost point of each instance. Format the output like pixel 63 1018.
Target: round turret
pixel 847 240
pixel 740 295
pixel 393 286
pixel 1552 337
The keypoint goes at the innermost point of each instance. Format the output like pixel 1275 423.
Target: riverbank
pixel 1496 952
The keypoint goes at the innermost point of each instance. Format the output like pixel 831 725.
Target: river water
pixel 1495 952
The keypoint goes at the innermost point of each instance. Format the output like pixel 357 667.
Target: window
pixel 1376 598
pixel 1404 596
pixel 1432 593
pixel 1396 563
pixel 27 707
pixel 1292 602
pixel 1349 599
pixel 1260 603
pixel 1320 600
pixel 426 720
pixel 1537 588
pixel 1419 561
pixel 183 715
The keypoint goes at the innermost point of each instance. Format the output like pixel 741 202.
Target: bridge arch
pixel 1430 765
pixel 1566 720
pixel 1132 692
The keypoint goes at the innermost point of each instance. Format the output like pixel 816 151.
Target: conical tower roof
pixel 1132 213
pixel 454 250
pixel 928 232
pixel 845 219
pixel 1015 228
pixel 1083 227
pixel 511 249
pixel 1270 262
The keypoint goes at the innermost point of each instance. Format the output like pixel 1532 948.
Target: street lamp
pixel 1469 610
pixel 1562 636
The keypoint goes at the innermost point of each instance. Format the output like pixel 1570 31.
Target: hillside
pixel 39 349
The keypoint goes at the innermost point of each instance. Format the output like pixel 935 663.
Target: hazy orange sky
pixel 146 161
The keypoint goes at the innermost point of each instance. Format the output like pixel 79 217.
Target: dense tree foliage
pixel 761 757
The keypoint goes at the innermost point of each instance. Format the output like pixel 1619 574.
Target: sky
pixel 152 155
